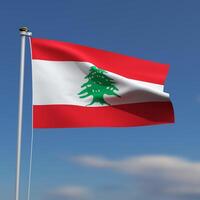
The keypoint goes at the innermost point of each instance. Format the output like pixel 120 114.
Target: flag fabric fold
pixel 79 86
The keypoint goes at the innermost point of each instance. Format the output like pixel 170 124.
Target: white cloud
pixel 93 161
pixel 71 192
pixel 163 175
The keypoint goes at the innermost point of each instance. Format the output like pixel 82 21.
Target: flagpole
pixel 24 32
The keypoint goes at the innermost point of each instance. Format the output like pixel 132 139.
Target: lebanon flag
pixel 79 86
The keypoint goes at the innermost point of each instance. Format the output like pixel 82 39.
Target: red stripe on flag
pixel 126 66
pixel 69 116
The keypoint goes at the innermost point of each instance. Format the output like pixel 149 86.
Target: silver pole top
pixel 24 28
pixel 24 31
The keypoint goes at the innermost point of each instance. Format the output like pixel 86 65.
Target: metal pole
pixel 23 32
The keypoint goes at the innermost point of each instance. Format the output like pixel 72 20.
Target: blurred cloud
pixel 157 176
pixel 198 98
pixel 70 192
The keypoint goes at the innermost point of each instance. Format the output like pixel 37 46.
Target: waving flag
pixel 79 86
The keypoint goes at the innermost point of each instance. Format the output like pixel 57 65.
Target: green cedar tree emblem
pixel 97 86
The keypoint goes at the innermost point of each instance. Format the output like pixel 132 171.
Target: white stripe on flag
pixel 59 82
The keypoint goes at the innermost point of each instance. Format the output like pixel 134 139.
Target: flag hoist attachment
pixel 24 32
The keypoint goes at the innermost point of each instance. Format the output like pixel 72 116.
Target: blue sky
pixel 158 162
